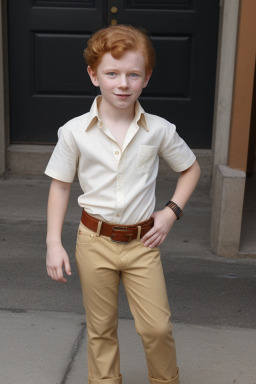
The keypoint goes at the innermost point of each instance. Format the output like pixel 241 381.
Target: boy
pixel 115 149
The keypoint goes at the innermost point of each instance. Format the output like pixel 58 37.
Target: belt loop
pixel 99 228
pixel 139 232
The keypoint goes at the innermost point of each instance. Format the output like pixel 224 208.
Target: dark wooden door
pixel 48 79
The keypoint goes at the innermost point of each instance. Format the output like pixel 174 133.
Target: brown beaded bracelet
pixel 175 208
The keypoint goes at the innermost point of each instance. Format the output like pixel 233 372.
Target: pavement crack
pixel 13 310
pixel 74 352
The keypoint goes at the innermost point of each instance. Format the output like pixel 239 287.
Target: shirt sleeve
pixel 64 159
pixel 175 151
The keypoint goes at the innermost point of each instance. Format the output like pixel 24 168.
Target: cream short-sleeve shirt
pixel 118 184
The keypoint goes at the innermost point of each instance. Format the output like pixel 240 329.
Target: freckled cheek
pixel 108 87
pixel 137 87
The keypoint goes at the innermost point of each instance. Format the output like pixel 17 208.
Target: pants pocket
pixel 85 235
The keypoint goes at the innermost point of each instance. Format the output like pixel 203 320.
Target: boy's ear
pixel 147 77
pixel 93 76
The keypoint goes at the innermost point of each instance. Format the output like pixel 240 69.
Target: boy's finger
pixel 62 280
pixel 59 275
pixel 151 239
pixel 67 267
pixel 148 235
pixel 156 242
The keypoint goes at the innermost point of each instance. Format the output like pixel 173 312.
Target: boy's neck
pixel 110 113
pixel 117 120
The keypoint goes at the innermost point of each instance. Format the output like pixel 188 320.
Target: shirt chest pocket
pixel 145 158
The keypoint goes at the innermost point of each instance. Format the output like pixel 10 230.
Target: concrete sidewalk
pixel 42 324
pixel 50 348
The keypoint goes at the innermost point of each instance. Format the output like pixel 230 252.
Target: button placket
pixel 117 152
pixel 120 188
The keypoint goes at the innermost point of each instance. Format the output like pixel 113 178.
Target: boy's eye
pixel 111 73
pixel 134 75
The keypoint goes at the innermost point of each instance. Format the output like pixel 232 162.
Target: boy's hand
pixel 163 222
pixel 56 257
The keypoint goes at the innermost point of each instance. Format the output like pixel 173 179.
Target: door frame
pixel 4 88
pixel 4 81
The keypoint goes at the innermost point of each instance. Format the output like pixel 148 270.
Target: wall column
pixel 230 175
pixel 2 114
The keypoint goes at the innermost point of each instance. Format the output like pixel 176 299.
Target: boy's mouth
pixel 122 95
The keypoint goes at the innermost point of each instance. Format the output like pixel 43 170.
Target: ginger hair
pixel 117 40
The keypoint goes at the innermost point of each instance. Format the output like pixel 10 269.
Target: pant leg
pixel 99 279
pixel 144 283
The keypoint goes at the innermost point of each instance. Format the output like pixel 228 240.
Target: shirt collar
pixel 140 116
pixel 94 117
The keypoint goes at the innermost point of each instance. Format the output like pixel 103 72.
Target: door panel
pixel 52 53
pixel 48 79
pixel 172 77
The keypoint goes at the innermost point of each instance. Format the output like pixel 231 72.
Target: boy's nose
pixel 123 83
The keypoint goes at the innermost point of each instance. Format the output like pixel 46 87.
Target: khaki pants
pixel 101 263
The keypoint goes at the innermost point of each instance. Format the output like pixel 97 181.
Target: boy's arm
pixel 56 255
pixel 164 219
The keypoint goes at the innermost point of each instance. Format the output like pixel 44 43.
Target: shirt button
pixel 117 215
pixel 117 152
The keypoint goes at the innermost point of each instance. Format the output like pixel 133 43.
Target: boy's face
pixel 121 81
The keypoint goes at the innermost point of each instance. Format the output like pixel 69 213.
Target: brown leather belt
pixel 117 233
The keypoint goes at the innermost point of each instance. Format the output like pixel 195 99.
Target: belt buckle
pixel 120 228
